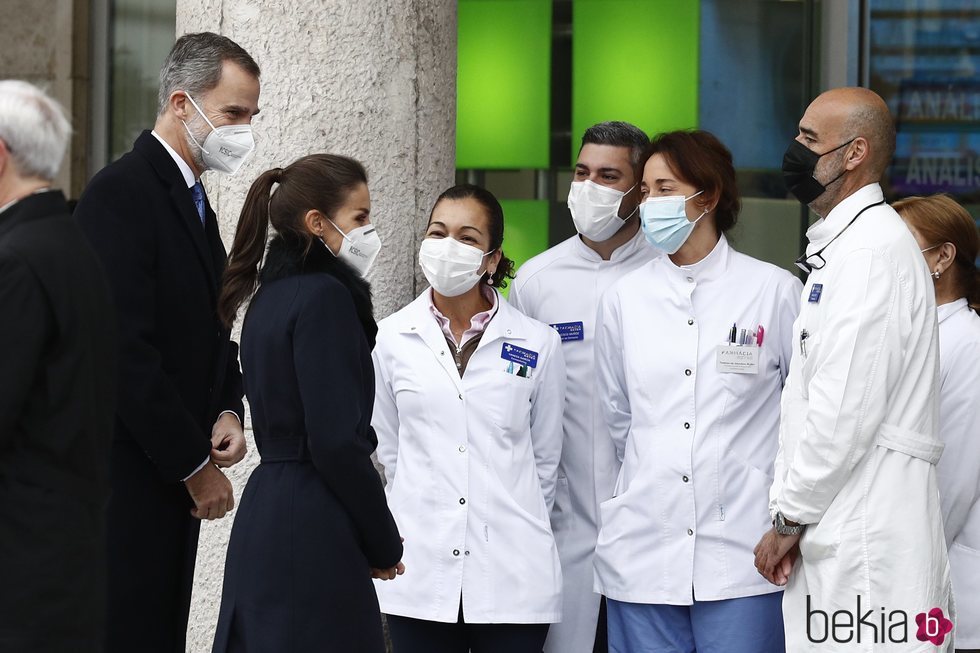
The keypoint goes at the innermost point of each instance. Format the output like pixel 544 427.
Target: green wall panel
pixel 525 229
pixel 503 84
pixel 634 60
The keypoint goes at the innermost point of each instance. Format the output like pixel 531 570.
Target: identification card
pixel 515 354
pixel 569 331
pixel 738 359
pixel 815 293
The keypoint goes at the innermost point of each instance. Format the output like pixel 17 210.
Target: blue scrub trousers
pixel 753 624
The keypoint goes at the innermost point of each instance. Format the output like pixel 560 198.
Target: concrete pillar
pixel 371 79
pixel 46 44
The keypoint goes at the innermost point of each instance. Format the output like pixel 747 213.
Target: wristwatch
pixel 783 529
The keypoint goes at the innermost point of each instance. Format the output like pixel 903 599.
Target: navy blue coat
pixel 313 519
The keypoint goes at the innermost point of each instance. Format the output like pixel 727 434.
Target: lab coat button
pixel 462 501
pixel 455 552
pixel 690 321
pixel 690 279
pixel 461 397
pixel 687 425
pixel 508 331
pixel 466 553
pixel 685 479
pixel 413 328
pixel 690 532
pixel 442 353
pixel 687 372
pixel 462 448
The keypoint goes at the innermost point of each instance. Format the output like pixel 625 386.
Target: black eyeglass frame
pixel 803 261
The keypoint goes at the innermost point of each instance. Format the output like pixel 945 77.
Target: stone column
pixel 46 44
pixel 371 79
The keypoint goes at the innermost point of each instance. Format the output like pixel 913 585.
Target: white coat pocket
pixel 509 402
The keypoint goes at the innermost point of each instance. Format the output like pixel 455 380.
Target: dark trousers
pixel 601 630
pixel 420 636
pixel 152 549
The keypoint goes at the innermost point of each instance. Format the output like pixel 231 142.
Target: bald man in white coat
pixel 858 538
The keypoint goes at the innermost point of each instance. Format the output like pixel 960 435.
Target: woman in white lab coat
pixel 692 352
pixel 468 418
pixel 947 235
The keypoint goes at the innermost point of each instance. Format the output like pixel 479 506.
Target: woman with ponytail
pixel 468 409
pixel 313 526
pixel 948 237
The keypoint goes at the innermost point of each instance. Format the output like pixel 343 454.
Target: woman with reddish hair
pixel 692 350
pixel 948 237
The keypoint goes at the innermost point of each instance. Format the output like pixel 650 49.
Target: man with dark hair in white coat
pixel 562 287
pixel 857 536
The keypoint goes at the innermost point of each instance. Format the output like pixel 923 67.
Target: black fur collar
pixel 287 259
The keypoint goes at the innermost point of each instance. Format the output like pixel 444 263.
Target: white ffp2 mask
pixel 225 148
pixel 360 247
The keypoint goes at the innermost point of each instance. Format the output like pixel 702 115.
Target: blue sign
pixel 569 330
pixel 515 354
pixel 815 293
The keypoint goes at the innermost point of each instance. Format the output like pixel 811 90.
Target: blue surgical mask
pixel 664 221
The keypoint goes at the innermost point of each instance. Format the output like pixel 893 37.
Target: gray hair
pixel 34 128
pixel 619 134
pixel 194 65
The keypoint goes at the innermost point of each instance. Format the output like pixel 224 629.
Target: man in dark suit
pixel 57 393
pixel 180 392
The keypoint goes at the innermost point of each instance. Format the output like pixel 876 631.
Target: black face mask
pixel 799 163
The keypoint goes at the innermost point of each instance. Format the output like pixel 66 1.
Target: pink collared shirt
pixel 478 323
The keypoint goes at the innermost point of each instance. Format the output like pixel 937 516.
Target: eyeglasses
pixel 818 261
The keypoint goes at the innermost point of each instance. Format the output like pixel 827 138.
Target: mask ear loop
pixel 188 129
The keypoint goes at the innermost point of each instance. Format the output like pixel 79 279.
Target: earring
pixel 937 274
pixel 490 281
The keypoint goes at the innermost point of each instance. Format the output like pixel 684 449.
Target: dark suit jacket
pixel 56 410
pixel 178 368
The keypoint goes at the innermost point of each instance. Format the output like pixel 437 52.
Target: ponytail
pixel 242 274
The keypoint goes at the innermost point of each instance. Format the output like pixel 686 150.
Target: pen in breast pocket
pixel 732 334
pixel 759 335
pixel 804 334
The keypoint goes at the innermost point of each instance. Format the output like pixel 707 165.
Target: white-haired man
pixel 56 393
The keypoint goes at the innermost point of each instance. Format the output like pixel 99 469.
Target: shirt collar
pixel 12 202
pixel 949 309
pixel 707 269
pixel 185 169
pixel 478 323
pixel 622 252
pixel 823 230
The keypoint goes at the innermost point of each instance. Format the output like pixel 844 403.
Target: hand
pixel 227 441
pixel 775 555
pixel 388 574
pixel 211 492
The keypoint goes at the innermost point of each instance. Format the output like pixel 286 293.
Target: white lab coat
pixel 959 467
pixel 471 465
pixel 696 444
pixel 563 286
pixel 858 446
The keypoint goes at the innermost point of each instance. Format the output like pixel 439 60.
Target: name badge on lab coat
pixel 738 359
pixel 569 331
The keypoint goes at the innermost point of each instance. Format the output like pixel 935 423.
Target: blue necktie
pixel 197 191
